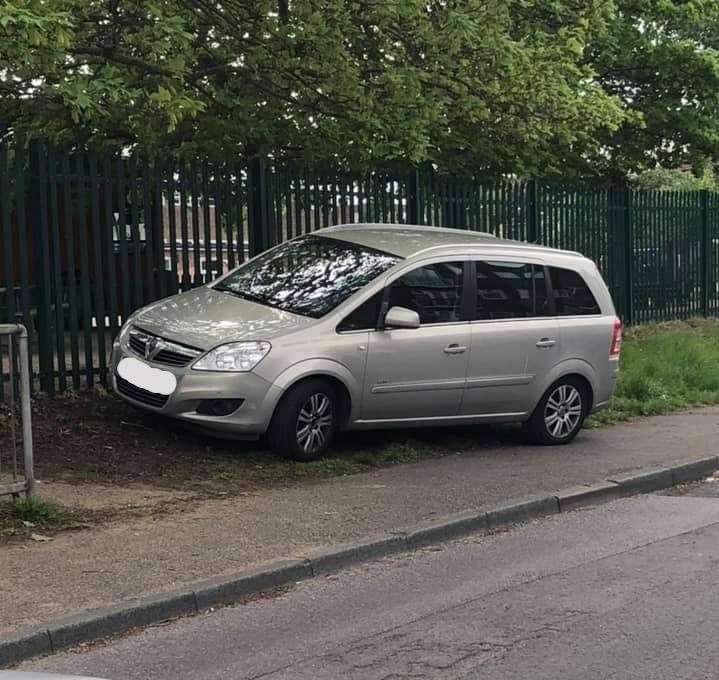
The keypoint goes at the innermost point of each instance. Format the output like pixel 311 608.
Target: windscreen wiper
pixel 243 295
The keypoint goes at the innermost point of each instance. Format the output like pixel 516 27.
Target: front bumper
pixel 251 419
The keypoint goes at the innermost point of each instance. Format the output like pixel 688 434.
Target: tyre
pixel 305 421
pixel 560 413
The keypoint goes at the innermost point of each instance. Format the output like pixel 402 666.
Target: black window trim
pixel 384 306
pixel 469 290
pixel 380 316
pixel 550 292
pixel 471 287
pixel 473 307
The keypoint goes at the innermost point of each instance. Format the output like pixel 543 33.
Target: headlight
pixel 235 356
pixel 124 330
pixel 128 323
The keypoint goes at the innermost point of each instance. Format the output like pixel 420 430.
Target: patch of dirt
pixel 97 460
pixel 89 496
pixel 123 456
pixel 94 437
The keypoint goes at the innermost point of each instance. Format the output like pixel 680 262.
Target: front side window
pixel 310 275
pixel 434 292
pixel 511 290
pixel 572 296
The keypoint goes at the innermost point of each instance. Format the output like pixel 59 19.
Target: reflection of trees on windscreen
pixel 309 276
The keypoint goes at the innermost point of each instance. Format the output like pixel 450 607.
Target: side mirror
pixel 401 317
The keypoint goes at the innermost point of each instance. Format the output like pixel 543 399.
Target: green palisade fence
pixel 85 240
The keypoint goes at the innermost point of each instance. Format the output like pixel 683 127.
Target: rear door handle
pixel 546 343
pixel 454 348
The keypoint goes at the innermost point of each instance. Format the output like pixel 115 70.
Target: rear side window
pixel 511 290
pixel 572 296
pixel 434 292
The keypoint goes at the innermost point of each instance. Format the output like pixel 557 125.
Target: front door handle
pixel 454 348
pixel 546 343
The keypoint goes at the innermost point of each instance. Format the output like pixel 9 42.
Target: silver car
pixel 377 326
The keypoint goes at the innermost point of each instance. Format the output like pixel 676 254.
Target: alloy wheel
pixel 314 423
pixel 563 411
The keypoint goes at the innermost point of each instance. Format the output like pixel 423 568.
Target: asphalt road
pixel 624 590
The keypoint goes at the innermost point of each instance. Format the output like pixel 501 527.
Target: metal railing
pixel 19 380
pixel 85 239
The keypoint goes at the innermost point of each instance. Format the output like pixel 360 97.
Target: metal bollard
pixel 18 332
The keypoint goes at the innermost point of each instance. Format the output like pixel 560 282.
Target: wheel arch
pixel 347 387
pixel 578 368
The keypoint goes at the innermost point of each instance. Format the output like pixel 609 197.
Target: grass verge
pixel 664 368
pixel 346 458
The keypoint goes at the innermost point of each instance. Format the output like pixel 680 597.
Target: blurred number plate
pixel 146 377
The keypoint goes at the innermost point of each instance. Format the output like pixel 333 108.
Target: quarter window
pixel 434 292
pixel 363 318
pixel 571 293
pixel 511 290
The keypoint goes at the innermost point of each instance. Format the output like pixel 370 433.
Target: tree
pixel 661 59
pixel 675 179
pixel 480 86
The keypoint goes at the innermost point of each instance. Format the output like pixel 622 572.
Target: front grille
pixel 167 356
pixel 137 345
pixel 165 351
pixel 138 394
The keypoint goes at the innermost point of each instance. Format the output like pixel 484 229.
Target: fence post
pixel 628 223
pixel 414 210
pixel 38 206
pixel 259 231
pixel 705 247
pixel 621 239
pixel 532 208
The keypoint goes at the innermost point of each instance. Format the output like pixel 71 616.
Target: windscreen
pixel 310 275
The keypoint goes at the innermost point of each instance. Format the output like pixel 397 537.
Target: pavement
pixel 623 590
pixel 110 563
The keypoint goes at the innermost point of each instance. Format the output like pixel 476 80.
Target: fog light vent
pixel 218 407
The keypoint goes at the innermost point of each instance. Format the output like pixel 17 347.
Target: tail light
pixel 616 345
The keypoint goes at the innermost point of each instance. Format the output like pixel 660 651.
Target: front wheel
pixel 305 421
pixel 560 413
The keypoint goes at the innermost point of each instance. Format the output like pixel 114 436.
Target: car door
pixel 515 337
pixel 417 373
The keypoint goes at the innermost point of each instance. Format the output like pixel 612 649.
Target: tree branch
pixel 110 54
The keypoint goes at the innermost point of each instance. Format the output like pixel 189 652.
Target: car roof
pixel 407 240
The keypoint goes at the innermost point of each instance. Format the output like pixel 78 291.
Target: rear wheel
pixel 560 413
pixel 305 421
